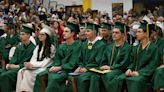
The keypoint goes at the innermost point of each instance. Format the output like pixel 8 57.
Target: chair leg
pixel 158 90
pixel 43 81
pixel 74 86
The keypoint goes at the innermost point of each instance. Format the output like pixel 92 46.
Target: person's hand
pixel 14 66
pixel 83 70
pixel 77 70
pixel 8 46
pixel 105 67
pixel 28 65
pixel 11 66
pixel 128 72
pixel 162 66
pixel 135 73
pixel 7 66
pixel 55 69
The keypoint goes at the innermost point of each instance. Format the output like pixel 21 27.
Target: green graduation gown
pixel 13 41
pixel 118 59
pixel 3 53
pixel 89 58
pixel 159 74
pixel 8 78
pixel 145 63
pixel 66 57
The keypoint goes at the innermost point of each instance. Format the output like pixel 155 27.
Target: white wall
pixel 106 5
pixel 102 5
pixel 68 2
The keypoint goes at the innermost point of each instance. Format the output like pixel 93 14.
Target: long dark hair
pixel 46 50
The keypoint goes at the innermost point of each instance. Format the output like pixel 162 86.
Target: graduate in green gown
pixel 12 38
pixel 82 35
pixel 64 61
pixel 2 52
pixel 144 61
pixel 2 49
pixel 23 53
pixel 9 40
pixel 90 57
pixel 159 42
pixel 115 58
pixel 106 31
pixel 157 39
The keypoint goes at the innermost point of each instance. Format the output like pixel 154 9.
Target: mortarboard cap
pixel 8 24
pixel 144 26
pixel 106 26
pixel 46 30
pixel 92 26
pixel 82 25
pixel 73 27
pixel 160 26
pixel 28 28
pixel 120 26
pixel 135 26
pixel 147 19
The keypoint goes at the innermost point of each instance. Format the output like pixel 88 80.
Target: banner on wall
pixel 86 5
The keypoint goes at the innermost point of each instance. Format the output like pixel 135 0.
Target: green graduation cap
pixel 144 26
pixel 120 26
pixel 73 27
pixel 28 28
pixel 92 26
pixel 11 25
pixel 106 26
pixel 82 25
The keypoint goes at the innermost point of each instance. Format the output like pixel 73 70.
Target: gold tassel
pixel 147 29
